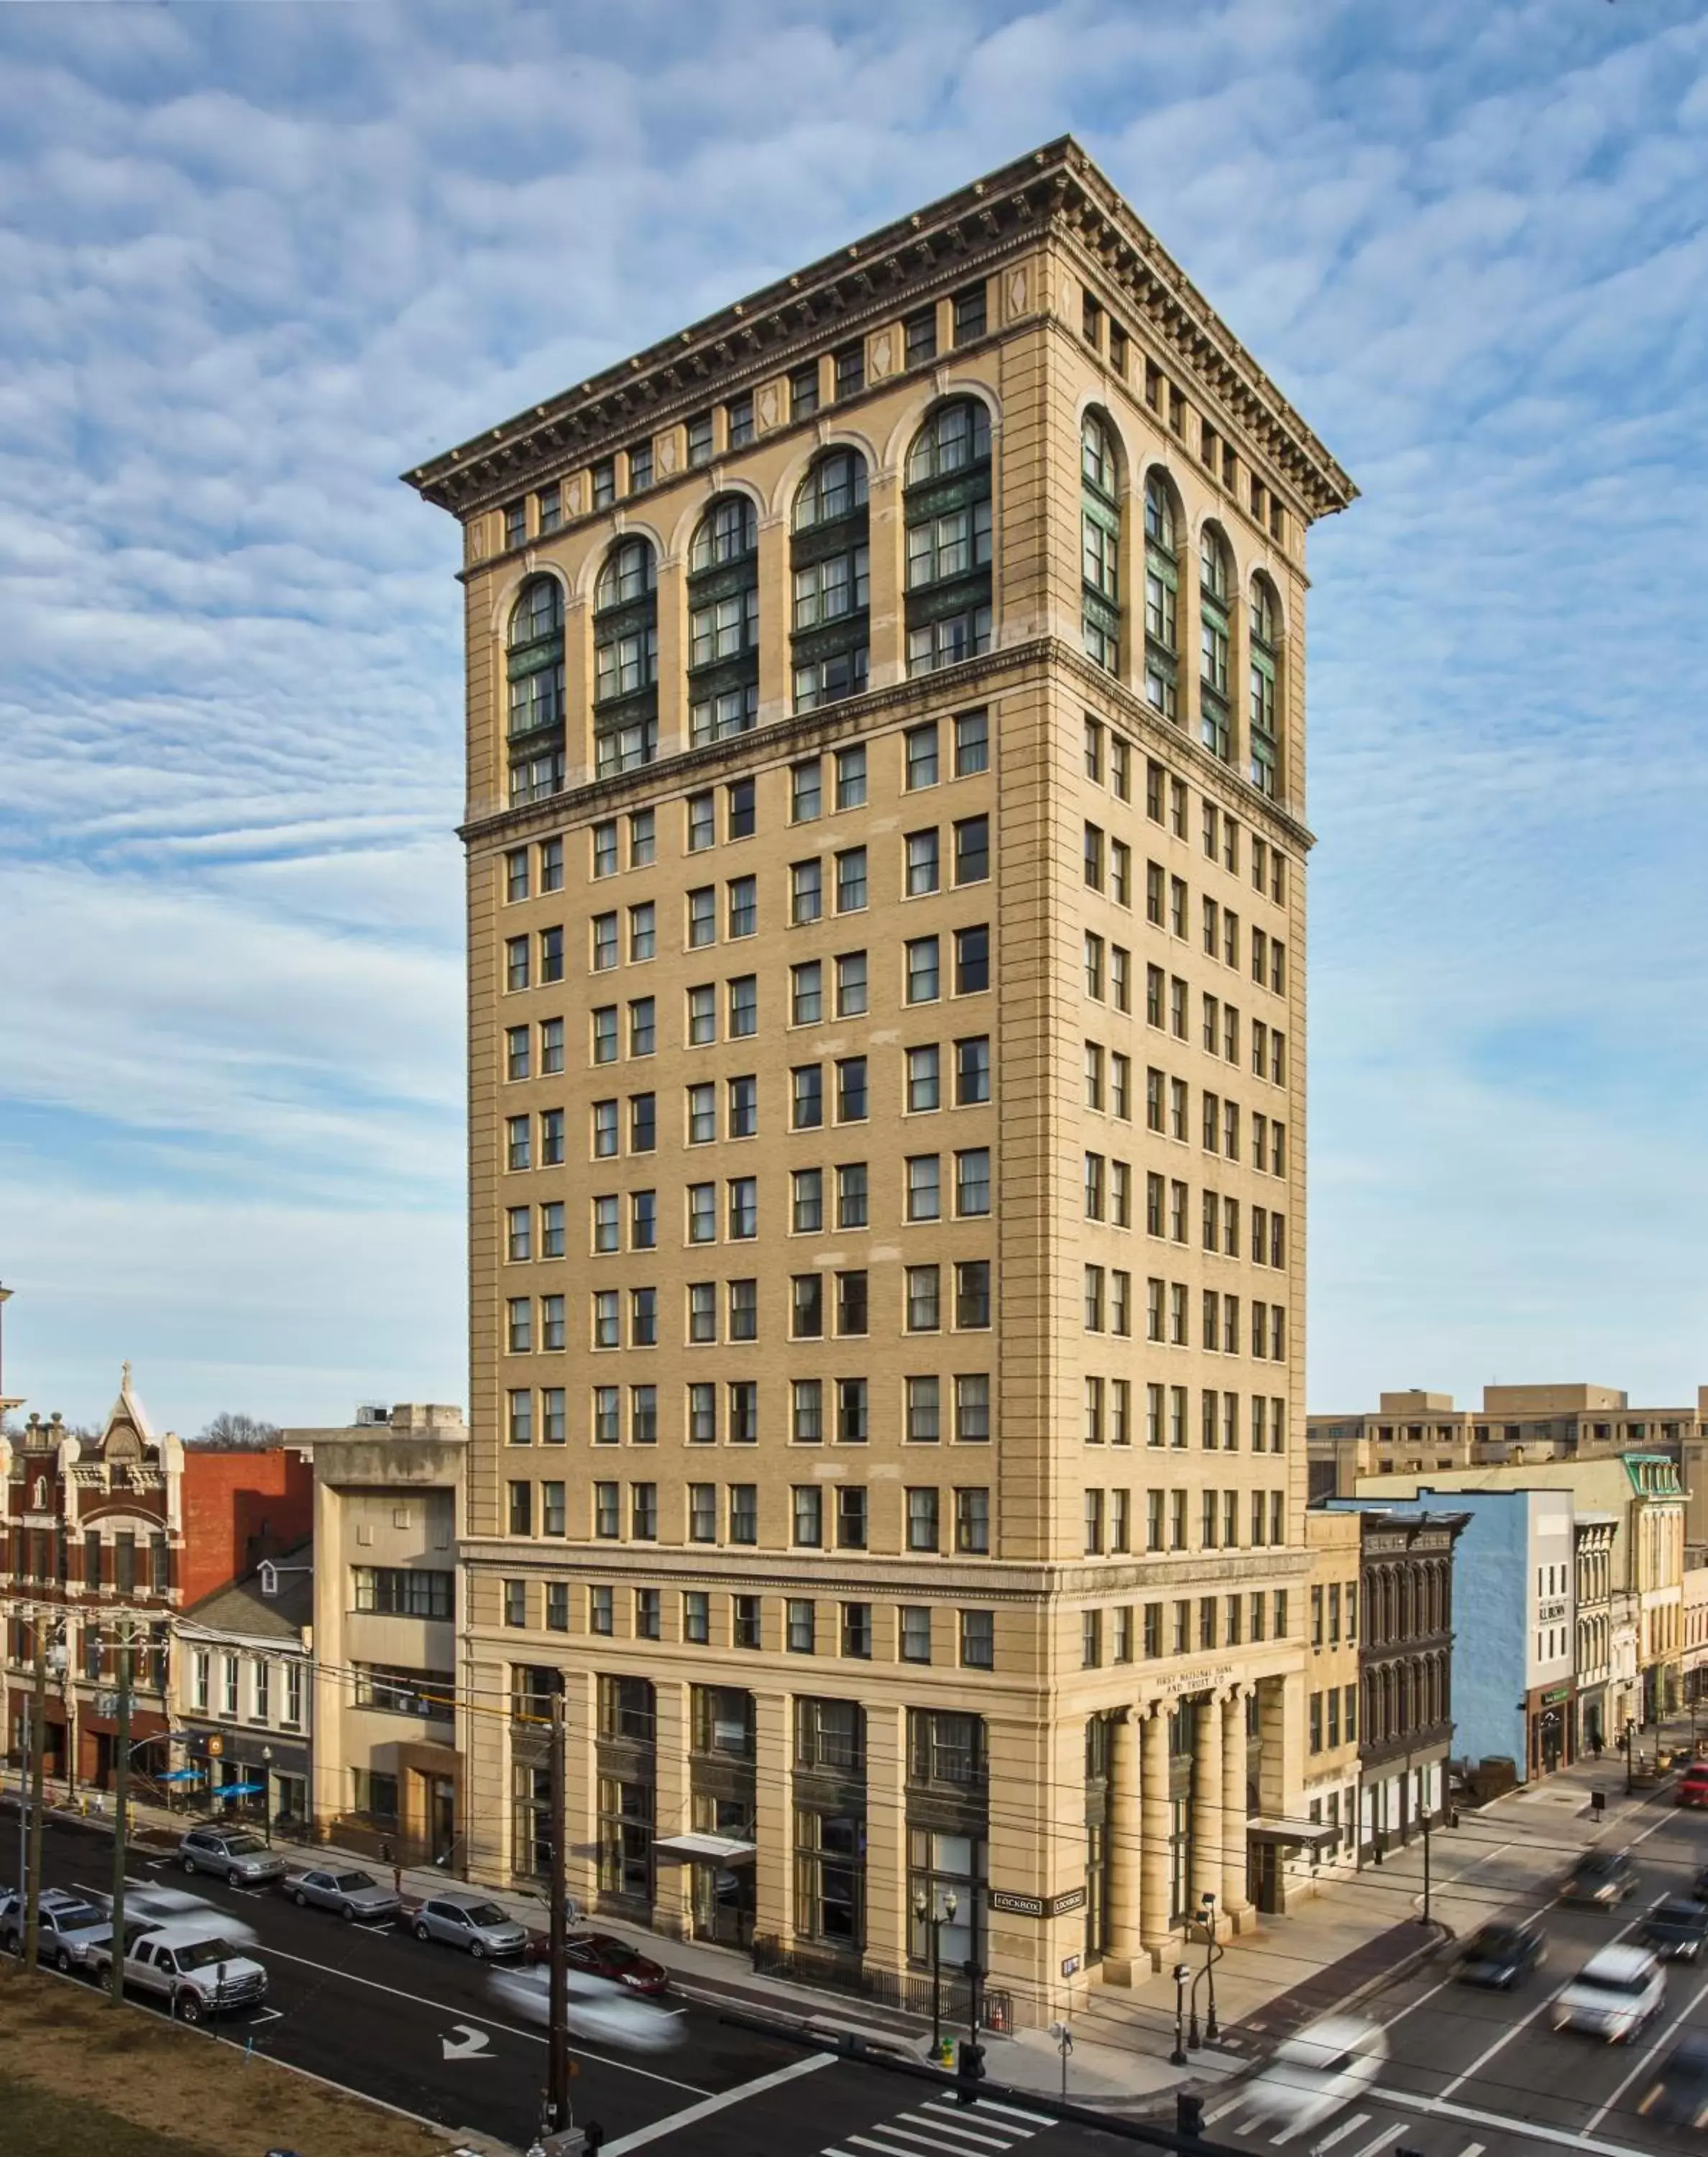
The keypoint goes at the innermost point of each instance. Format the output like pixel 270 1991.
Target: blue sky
pixel 257 260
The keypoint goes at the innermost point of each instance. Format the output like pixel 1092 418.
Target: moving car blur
pixel 1312 2075
pixel 599 2011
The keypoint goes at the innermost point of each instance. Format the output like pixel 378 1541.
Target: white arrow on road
pixel 465 2043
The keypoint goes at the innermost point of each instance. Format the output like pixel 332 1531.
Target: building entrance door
pixel 441 1818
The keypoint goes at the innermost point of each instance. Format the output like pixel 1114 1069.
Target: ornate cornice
pixel 1055 191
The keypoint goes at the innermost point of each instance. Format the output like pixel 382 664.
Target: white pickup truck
pixel 195 1977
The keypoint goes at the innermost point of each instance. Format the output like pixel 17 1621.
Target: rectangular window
pixel 852 1104
pixel 806 892
pixel 850 371
pixel 851 880
pixel 972 744
pixel 807 1412
pixel 925 1314
pixel 921 334
pixel 970 314
pixel 803 391
pixel 850 777
pixel 978 1640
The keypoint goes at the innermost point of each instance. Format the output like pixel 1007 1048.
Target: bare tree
pixel 236 1431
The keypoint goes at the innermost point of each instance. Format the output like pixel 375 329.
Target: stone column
pixel 672 1889
pixel 1206 1805
pixel 1122 1827
pixel 886 1837
pixel 1154 1929
pixel 1236 1903
pixel 773 1894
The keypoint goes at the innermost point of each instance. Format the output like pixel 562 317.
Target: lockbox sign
pixel 1016 1905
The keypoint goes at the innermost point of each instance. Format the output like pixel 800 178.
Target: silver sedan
pixel 357 1895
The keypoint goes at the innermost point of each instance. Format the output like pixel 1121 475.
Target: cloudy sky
pixel 256 259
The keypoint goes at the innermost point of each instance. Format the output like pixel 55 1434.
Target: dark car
pixel 1677 2095
pixel 1699 1886
pixel 1500 1955
pixel 1600 1878
pixel 600 1955
pixel 1675 1928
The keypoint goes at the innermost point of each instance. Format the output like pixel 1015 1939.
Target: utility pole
pixel 38 1791
pixel 122 1798
pixel 557 2051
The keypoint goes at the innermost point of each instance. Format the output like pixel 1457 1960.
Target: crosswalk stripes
pixel 984 2128
pixel 1379 2144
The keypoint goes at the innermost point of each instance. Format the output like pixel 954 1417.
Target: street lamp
pixel 1182 1978
pixel 936 1919
pixel 1212 1954
pixel 1630 1733
pixel 267 1792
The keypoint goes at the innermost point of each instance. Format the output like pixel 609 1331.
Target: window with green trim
pixel 947 511
pixel 625 659
pixel 1265 641
pixel 1161 597
pixel 723 622
pixel 830 565
pixel 534 667
pixel 1100 544
pixel 1214 729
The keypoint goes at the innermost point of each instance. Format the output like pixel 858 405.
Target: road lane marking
pixel 466 2043
pixel 1524 2129
pixel 1012 2112
pixel 1671 2030
pixel 488 2021
pixel 886 2149
pixel 1229 2104
pixel 1000 2138
pixel 1472 2150
pixel 911 2134
pixel 1346 2127
pixel 704 2110
pixel 1380 2141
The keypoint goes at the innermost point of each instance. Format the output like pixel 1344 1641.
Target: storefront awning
pixel 1292 1833
pixel 239 1790
pixel 179 1775
pixel 722 1850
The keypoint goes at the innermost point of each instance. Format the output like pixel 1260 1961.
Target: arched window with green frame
pixel 946 508
pixel 1215 727
pixel 534 666
pixel 1162 658
pixel 1264 636
pixel 723 622
pixel 829 560
pixel 1100 543
pixel 625 659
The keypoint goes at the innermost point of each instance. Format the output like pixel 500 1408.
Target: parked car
pixel 230 1853
pixel 1500 1955
pixel 1678 2095
pixel 95 1950
pixel 1600 1878
pixel 1311 2076
pixel 195 1977
pixel 469 1922
pixel 65 1922
pixel 599 2010
pixel 1692 1786
pixel 351 1894
pixel 1675 1928
pixel 601 1954
pixel 1616 1995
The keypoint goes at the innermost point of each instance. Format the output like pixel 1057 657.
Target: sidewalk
pixel 1359 1932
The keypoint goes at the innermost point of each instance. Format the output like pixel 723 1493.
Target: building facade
pixel 1405 1672
pixel 1601 1705
pixel 243 1693
pixel 1334 1685
pixel 886 885
pixel 386 1773
pixel 94 1551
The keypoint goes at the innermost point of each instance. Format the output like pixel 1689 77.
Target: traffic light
pixel 1188 2115
pixel 969 2072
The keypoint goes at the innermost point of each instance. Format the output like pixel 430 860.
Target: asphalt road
pixel 418 2027
pixel 1471 2073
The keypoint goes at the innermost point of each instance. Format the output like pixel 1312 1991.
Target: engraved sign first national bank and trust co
pixel 1014 1904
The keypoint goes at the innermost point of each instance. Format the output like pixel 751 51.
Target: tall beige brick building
pixel 885 880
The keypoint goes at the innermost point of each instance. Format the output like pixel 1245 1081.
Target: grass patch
pixel 44 2124
pixel 79 2077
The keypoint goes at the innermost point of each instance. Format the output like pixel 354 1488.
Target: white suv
pixel 1616 1995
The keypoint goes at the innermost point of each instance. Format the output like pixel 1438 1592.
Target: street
pixel 417 2026
pixel 1472 2073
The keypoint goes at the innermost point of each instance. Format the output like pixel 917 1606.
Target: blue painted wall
pixel 1491 1568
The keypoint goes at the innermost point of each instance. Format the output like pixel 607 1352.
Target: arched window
pixel 1162 629
pixel 1213 581
pixel 830 560
pixel 534 665
pixel 723 621
pixel 625 659
pixel 1100 544
pixel 946 506
pixel 1264 639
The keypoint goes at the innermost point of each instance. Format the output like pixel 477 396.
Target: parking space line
pixel 1346 2127
pixel 704 2110
pixel 488 2022
pixel 1380 2141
